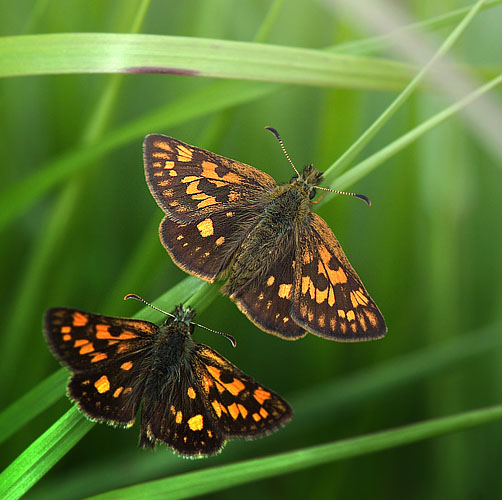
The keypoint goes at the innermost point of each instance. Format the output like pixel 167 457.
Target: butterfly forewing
pixel 85 341
pixel 242 407
pixel 329 298
pixel 190 183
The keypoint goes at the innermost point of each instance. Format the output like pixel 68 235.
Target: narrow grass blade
pixel 213 479
pixel 19 197
pixel 342 163
pixel 369 164
pixel 378 43
pixel 42 454
pixel 122 53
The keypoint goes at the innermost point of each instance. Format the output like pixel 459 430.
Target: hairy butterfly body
pixel 286 270
pixel 189 397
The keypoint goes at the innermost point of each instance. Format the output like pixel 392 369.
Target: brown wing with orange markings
pixel 191 184
pixel 329 298
pixel 85 341
pixel 203 248
pixel 241 406
pixel 266 301
pixel 106 356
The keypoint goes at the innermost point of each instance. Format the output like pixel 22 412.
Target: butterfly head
pixel 183 315
pixel 307 181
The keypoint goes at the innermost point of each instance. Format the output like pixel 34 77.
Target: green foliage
pixel 79 229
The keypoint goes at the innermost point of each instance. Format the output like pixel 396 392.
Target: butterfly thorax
pixel 288 210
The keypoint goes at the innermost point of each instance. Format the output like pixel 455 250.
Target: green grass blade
pixel 363 168
pixel 32 404
pixel 378 43
pixel 214 479
pixel 122 53
pixel 42 454
pixel 17 198
pixel 342 163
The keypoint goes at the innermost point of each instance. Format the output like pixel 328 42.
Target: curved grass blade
pixel 213 479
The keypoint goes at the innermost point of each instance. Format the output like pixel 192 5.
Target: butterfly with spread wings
pixel 286 270
pixel 189 397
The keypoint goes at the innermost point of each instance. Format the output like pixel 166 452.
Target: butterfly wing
pixel 210 202
pixel 190 183
pixel 329 299
pixel 105 356
pixel 178 417
pixel 241 407
pixel 203 248
pixel 266 301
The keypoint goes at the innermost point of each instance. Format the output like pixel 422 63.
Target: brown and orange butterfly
pixel 286 270
pixel 190 397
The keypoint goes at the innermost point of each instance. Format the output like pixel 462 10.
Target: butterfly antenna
pixel 137 297
pixel 278 137
pixel 356 195
pixel 226 335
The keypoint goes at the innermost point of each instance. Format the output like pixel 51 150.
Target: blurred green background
pixel 428 251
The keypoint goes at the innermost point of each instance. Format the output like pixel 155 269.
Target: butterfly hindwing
pixel 242 407
pixel 110 395
pixel 205 247
pixel 180 419
pixel 329 298
pixel 266 301
pixel 190 183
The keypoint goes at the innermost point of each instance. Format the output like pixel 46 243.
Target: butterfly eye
pixel 293 179
pixel 312 193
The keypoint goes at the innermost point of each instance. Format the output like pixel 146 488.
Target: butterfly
pixel 189 397
pixel 286 270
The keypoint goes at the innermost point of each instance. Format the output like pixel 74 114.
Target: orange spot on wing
pixel 126 366
pixel 217 407
pixel 66 338
pixel 79 319
pixel 118 392
pixel 65 329
pixel 263 412
pixel 191 393
pixel 285 291
pixel 99 356
pixel 261 395
pixel 102 384
pixel 234 411
pixel 243 410
pixel 87 348
pixel 179 417
pixel 196 423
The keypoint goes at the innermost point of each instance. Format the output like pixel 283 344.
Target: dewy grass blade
pixel 213 479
